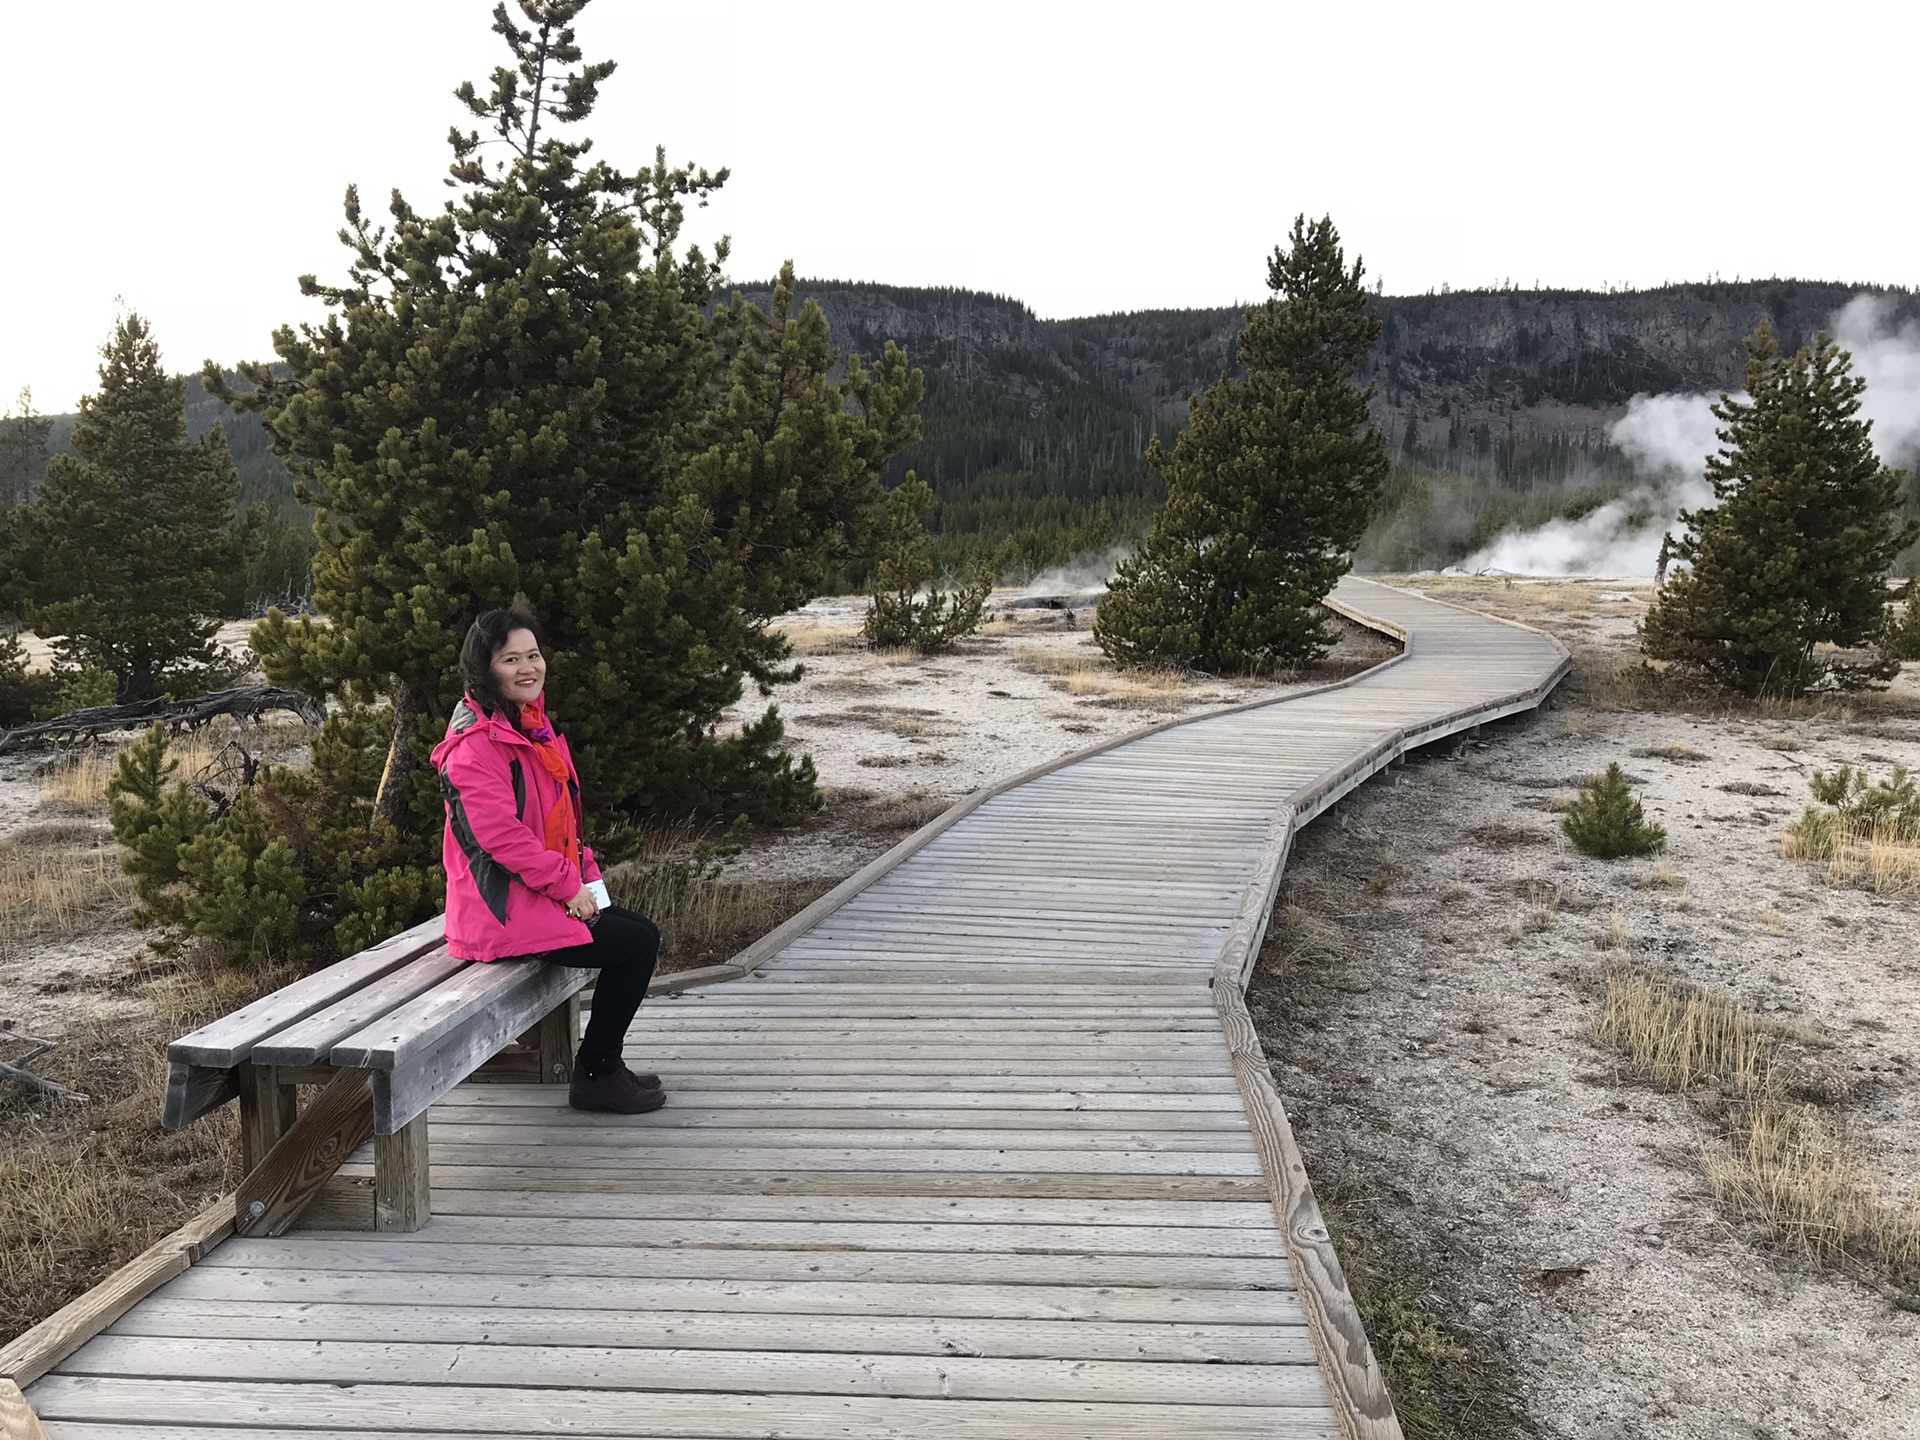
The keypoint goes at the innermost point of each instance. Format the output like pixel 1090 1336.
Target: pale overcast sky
pixel 187 161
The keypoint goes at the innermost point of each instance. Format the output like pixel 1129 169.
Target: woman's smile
pixel 520 668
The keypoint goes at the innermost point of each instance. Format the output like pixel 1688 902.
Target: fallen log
pixel 10 1071
pixel 248 702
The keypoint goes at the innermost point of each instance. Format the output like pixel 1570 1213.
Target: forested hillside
pixel 1497 405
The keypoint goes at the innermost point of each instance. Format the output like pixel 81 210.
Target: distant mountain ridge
pixel 1033 429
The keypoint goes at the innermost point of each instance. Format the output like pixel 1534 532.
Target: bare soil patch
pixel 1428 995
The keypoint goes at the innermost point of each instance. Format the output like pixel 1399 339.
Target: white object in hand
pixel 598 889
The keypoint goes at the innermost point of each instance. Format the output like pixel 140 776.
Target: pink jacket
pixel 506 892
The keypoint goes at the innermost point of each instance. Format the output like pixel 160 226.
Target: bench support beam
pixel 315 1146
pixel 268 1109
pixel 558 1036
pixel 402 1197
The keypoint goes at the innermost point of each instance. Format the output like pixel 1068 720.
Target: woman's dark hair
pixel 486 638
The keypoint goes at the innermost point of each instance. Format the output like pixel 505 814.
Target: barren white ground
pixel 1426 997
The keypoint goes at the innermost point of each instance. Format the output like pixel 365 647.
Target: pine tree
pixel 1795 552
pixel 124 546
pixel 532 393
pixel 1269 487
pixel 1607 822
pixel 907 607
pixel 23 450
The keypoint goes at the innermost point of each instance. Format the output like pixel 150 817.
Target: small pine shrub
pixel 1606 821
pixel 1864 831
pixel 901 614
pixel 1901 638
pixel 294 865
pixel 24 694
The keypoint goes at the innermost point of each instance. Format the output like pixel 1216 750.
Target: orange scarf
pixel 563 821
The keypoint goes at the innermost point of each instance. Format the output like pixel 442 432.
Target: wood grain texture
pixel 230 1040
pixel 268 1109
pixel 17 1420
pixel 402 1195
pixel 196 1090
pixel 331 1128
pixel 1360 1397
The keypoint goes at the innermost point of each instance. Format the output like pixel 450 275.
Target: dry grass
pixel 824 639
pixel 1781 1165
pixel 1803 1180
pixel 86 1187
pixel 51 888
pixel 1883 856
pixel 1677 751
pixel 1681 1036
pixel 1086 674
pixel 1060 660
pixel 78 781
pixel 1663 875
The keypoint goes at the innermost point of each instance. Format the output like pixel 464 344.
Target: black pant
pixel 623 949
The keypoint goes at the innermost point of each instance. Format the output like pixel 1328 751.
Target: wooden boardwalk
pixel 983 1148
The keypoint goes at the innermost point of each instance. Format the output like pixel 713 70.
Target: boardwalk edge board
pixel 33 1352
pixel 1362 1408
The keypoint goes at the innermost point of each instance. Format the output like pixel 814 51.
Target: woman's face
pixel 519 668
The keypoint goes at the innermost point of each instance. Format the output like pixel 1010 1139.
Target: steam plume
pixel 1669 437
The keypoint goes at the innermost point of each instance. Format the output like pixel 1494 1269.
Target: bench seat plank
pixel 423 1063
pixel 419 1024
pixel 228 1041
pixel 309 1041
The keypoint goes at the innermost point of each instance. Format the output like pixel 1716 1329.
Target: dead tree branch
pixel 248 702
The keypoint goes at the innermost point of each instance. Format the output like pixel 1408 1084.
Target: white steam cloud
pixel 1669 437
pixel 1088 572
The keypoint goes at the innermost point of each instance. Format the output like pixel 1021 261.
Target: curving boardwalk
pixel 982 1148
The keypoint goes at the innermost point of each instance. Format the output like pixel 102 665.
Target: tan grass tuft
pixel 824 639
pixel 1664 875
pixel 1802 1179
pixel 1780 1164
pixel 1883 856
pixel 50 890
pixel 1679 1035
pixel 1676 750
pixel 79 780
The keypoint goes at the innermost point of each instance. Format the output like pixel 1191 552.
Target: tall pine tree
pixel 124 547
pixel 527 393
pixel 1268 488
pixel 1795 553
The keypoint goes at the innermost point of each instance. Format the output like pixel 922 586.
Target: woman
pixel 517 870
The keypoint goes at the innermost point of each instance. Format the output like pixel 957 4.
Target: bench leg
pixel 402 1199
pixel 267 1111
pixel 558 1036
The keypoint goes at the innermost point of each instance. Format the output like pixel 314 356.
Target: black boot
pixel 610 1087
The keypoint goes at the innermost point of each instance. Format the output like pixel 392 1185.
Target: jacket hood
pixel 469 721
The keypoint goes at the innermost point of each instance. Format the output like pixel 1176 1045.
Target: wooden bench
pixel 386 1032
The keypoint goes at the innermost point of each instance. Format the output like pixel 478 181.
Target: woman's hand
pixel 583 906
